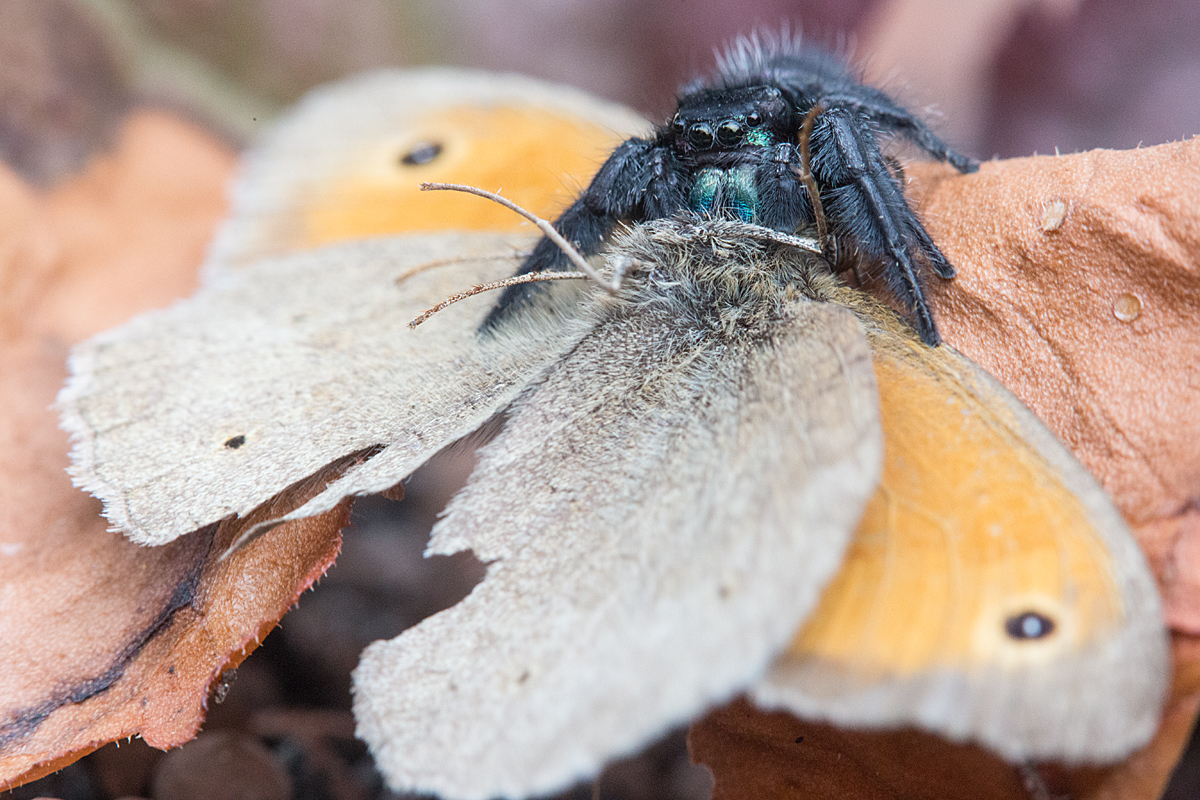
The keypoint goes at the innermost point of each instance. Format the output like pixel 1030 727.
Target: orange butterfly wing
pixel 991 590
pixel 348 162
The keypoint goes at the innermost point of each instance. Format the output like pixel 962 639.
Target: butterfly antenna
pixel 529 277
pixel 443 262
pixel 546 228
pixel 806 176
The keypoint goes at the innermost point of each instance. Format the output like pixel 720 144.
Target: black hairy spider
pixel 775 120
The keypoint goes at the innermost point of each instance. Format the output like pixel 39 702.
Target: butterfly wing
pixel 658 514
pixel 992 592
pixel 209 408
pixel 347 162
pixel 308 359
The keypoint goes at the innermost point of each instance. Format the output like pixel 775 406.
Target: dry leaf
pixel 101 639
pixel 755 753
pixel 770 755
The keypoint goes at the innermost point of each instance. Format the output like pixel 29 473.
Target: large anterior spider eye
pixel 678 126
pixel 729 133
pixel 754 119
pixel 701 136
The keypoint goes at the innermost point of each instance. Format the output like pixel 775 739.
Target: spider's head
pixel 727 119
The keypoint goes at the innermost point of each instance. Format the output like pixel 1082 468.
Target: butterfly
pixel 736 475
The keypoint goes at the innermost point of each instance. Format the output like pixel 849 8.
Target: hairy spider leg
pixel 641 180
pixel 888 114
pixel 784 202
pixel 882 110
pixel 863 109
pixel 860 184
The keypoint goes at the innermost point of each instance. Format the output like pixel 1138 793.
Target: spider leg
pixel 935 257
pixel 881 110
pixel 783 196
pixel 932 253
pixel 811 75
pixel 866 203
pixel 640 180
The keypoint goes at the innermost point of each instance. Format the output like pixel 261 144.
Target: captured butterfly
pixel 734 475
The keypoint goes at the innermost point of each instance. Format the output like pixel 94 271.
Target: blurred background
pixel 997 78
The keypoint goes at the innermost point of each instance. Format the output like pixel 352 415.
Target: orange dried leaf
pixel 755 753
pixel 773 755
pixel 101 639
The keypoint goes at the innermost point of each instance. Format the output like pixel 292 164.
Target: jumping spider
pixel 775 121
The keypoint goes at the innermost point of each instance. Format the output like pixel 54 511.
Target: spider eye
pixel 754 119
pixel 729 133
pixel 677 126
pixel 701 136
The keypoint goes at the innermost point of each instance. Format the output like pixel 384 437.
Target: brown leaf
pixel 101 639
pixel 1078 284
pixel 755 753
pixel 1078 289
pixel 768 755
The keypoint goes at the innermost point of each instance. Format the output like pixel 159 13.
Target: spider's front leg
pixel 865 204
pixel 640 181
pixel 783 200
pixel 883 111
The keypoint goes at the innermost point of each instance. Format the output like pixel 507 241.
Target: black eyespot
pixel 1029 625
pixel 422 153
pixel 234 442
pixel 701 136
pixel 754 119
pixel 729 133
pixel 678 126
